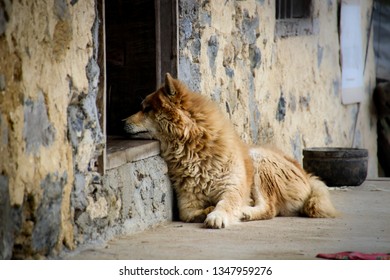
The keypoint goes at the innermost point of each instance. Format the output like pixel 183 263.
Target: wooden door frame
pixel 167 47
pixel 166 15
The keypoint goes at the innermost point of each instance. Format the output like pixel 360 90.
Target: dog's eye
pixel 147 108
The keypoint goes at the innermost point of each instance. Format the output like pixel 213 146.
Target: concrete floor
pixel 364 226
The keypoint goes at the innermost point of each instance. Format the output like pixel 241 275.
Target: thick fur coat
pixel 218 179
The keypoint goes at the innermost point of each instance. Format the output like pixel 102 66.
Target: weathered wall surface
pixel 49 131
pixel 50 191
pixel 130 198
pixel 282 91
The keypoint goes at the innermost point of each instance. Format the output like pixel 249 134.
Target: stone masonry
pixel 282 90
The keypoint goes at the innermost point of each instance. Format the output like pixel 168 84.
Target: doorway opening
pixel 139 43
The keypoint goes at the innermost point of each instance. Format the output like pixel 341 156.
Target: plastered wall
pixel 284 91
pixel 49 127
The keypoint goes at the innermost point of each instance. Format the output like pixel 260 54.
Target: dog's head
pixel 163 114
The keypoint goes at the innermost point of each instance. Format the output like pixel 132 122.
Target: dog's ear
pixel 169 86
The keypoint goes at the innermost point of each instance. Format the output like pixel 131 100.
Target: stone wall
pixel 284 91
pixel 130 198
pixel 50 132
pixel 50 138
pixel 277 90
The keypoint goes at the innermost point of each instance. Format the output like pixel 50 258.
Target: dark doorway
pixel 130 58
pixel 141 45
pixel 137 46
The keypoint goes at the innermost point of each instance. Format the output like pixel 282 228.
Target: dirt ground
pixel 364 226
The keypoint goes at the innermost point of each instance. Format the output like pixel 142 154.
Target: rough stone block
pixel 10 220
pixel 146 193
pixel 38 130
pixel 48 215
pixel 6 233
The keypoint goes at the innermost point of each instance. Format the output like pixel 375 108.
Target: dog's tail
pixel 318 204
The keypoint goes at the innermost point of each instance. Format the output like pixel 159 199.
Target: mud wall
pixel 284 91
pixel 277 90
pixel 52 197
pixel 50 132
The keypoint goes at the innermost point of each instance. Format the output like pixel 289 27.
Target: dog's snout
pixel 134 124
pixel 127 127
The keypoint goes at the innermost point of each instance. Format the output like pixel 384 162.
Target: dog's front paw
pixel 246 214
pixel 216 219
pixel 246 217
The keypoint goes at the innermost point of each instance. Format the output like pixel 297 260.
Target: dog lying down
pixel 218 179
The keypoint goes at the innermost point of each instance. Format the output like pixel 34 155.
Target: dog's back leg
pixel 263 208
pixel 191 209
pixel 318 204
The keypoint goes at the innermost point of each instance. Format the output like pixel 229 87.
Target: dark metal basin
pixel 337 166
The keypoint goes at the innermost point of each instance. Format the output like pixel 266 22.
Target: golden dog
pixel 218 179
